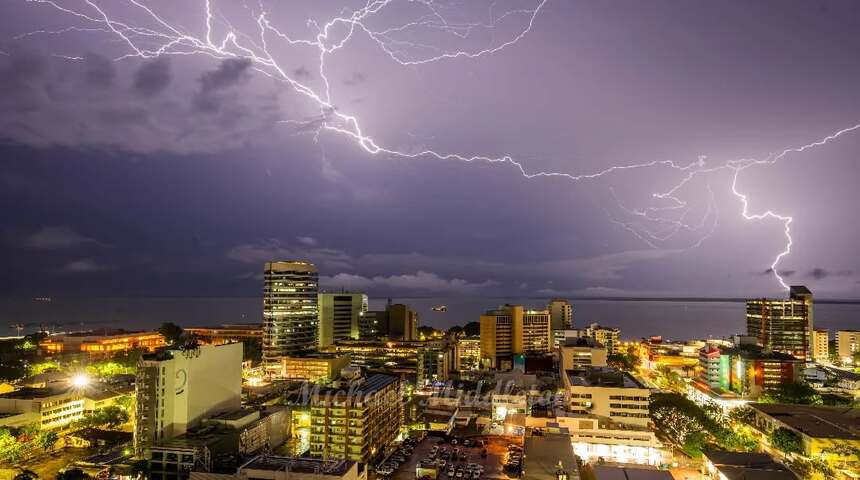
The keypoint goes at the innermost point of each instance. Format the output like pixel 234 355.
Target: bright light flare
pixel 80 380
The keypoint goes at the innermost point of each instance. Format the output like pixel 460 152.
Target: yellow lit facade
pixel 102 345
pixel 314 367
pixel 510 330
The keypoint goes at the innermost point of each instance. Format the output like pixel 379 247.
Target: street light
pixel 80 380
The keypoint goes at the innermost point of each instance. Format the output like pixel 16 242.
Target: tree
pixel 677 419
pixel 621 360
pixel 785 441
pixel 47 439
pixel 455 330
pixel 73 474
pixel 472 329
pixel 743 415
pixel 795 392
pixel 252 350
pixel 10 448
pixel 171 332
pixel 140 469
pixel 26 475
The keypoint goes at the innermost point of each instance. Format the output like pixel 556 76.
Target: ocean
pixel 673 319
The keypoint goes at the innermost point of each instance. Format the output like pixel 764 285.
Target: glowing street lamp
pixel 80 380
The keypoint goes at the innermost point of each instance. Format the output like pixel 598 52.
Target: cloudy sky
pixel 155 153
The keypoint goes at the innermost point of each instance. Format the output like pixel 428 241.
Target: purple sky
pixel 181 174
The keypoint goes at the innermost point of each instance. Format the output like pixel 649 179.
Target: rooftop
pixel 372 384
pixel 543 453
pixel 581 342
pixel 629 472
pixel 299 465
pixel 742 466
pixel 815 421
pixel 602 377
pixel 33 393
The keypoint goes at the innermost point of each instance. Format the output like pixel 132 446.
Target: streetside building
pixel 176 389
pixel 607 393
pixel 314 367
pixel 847 344
pixel 580 353
pixel 821 345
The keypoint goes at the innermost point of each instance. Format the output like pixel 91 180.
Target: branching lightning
pixel 655 225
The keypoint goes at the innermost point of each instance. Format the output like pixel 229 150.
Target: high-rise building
pixel 396 322
pixel 561 314
pixel 340 316
pixel 821 345
pixel 510 330
pixel 467 353
pixel 175 389
pixel 358 421
pixel 289 310
pixel 783 325
pixel 847 344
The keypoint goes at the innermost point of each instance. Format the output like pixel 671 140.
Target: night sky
pixel 180 174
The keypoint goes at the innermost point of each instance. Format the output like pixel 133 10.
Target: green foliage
pixel 785 441
pixel 743 415
pixel 42 367
pixel 797 393
pixel 455 330
pixel 72 474
pixel 252 350
pixel 10 448
pixel 109 368
pixel 111 417
pixel 12 370
pixel 677 419
pixel 47 439
pixel 172 333
pixel 472 329
pixel 624 361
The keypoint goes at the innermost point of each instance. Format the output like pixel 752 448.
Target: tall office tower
pixel 357 421
pixel 289 310
pixel 175 389
pixel 510 330
pixel 847 344
pixel 821 345
pixel 340 316
pixel 561 313
pixel 783 325
pixel 396 322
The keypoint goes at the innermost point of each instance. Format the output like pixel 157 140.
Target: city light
pixel 80 380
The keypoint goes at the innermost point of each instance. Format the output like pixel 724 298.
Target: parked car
pixel 451 472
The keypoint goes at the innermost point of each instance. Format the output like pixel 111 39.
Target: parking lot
pixel 491 465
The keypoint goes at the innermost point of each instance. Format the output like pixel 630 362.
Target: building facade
pixel 355 422
pixel 821 345
pixel 101 344
pixel 397 322
pixel 783 325
pixel 175 389
pixel 425 360
pixel 748 371
pixel 314 367
pixel 340 316
pixel 847 344
pixel 511 331
pixel 290 312
pixel 561 314
pixel 581 353
pixel 227 333
pixel 607 393
pixel 467 353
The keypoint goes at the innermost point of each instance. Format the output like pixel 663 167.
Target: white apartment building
pixel 607 393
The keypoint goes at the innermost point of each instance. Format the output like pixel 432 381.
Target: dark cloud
pixel 301 72
pixel 152 77
pixel 231 72
pixel 818 273
pixel 100 72
pixel 84 265
pixel 57 237
pixel 783 273
pixel 356 79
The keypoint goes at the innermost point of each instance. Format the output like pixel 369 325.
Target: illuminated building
pixel 510 331
pixel 747 371
pixel 821 345
pixel 549 457
pixel 606 336
pixel 847 344
pixel 783 325
pixel 425 360
pixel 509 403
pixel 467 353
pixel 561 314
pixel 396 322
pixel 820 428
pixel 357 421
pixel 580 353
pixel 607 393
pixel 175 389
pixel 339 316
pixel 49 408
pixel 289 310
pixel 108 343
pixel 227 333
pixel 314 367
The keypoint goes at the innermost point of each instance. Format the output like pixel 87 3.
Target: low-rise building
pixel 847 345
pixel 101 343
pixel 608 393
pixel 424 360
pixel 821 428
pixel 47 407
pixel 272 467
pixel 314 366
pixel 609 337
pixel 581 352
pixel 549 457
pixel 227 333
pixel 720 464
pixel 504 404
pixel 821 345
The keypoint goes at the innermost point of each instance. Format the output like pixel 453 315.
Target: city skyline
pixel 129 173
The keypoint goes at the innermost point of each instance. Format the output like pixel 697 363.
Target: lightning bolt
pixel 654 225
